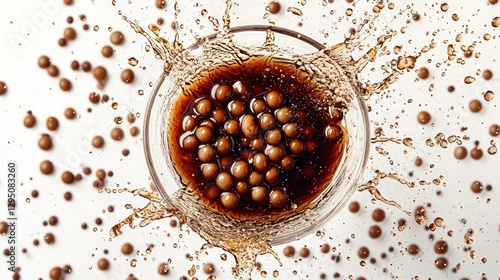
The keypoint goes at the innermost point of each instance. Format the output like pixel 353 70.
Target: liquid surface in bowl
pixel 255 140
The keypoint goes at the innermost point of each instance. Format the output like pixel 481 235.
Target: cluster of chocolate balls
pixel 245 145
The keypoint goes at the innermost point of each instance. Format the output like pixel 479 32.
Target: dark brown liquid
pixel 312 170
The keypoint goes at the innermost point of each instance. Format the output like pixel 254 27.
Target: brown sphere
pixel 65 84
pixel 240 89
pixel 274 7
pixel 258 144
pixel 70 113
pixel 494 130
pixel 273 175
pixel 274 137
pixel 117 38
pixel 476 153
pixel 275 153
pixel 232 127
pixel 53 70
pixel 423 73
pixel 242 188
pixel 56 273
pixel 223 93
pixel 29 121
pixel 127 76
pixel 475 106
pixel 249 126
pixel 260 194
pixel 256 178
pixel 68 177
pixel 69 33
pixel 204 133
pixel 291 130
pixel 52 123
pixel 225 181
pixel 284 115
pixel 43 61
pixel 424 117
pixel 3 88
pixel 229 199
pixel 127 249
pixel 236 108
pixel 363 252
pixel 460 152
pixel 278 198
pixel 98 141
pixel 103 264
pixel 274 99
pixel 45 142
pixel 189 123
pixel 296 146
pixel 375 231
pixel 378 215
pixel 258 106
pixel 100 73
pixel 240 169
pixel 107 51
pixel 260 162
pixel 206 153
pixel 46 167
pixel 224 145
pixel 333 133
pixel 117 134
pixel 204 107
pixel 190 143
pixel 267 121
pixel 210 170
pixel 287 162
pixel 219 115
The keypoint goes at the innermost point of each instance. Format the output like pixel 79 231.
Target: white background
pixel 32 28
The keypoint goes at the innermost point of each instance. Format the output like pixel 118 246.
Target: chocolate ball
pixel 284 115
pixel 296 146
pixel 242 188
pixel 275 153
pixel 204 107
pixel 240 169
pixel 274 137
pixel 225 181
pixel 258 106
pixel 260 162
pixel 333 133
pixel 255 178
pixel 189 123
pixel 249 127
pixel 210 170
pixel 229 199
pixel 240 89
pixel 278 198
pixel 291 130
pixel 223 93
pixel 287 162
pixel 274 99
pixel 219 115
pixel 204 133
pixel 259 194
pixel 273 175
pixel 236 108
pixel 232 127
pixel 224 145
pixel 206 153
pixel 267 121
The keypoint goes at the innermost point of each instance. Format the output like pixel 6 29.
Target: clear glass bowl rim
pixel 282 31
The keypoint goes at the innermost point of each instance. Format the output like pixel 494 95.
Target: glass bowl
pixel 217 228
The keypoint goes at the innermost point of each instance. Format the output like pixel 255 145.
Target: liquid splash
pixel 331 66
